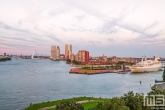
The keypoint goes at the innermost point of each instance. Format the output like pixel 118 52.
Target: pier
pixel 158 81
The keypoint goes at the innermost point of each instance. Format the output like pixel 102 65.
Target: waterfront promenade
pixel 79 102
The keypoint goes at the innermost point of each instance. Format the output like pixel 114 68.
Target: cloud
pixel 144 37
pixel 110 24
pixel 154 24
pixel 57 11
pixel 109 27
pixel 80 17
pixel 31 18
pixel 64 29
pixel 111 40
pixel 54 38
pixel 7 27
pixel 13 45
pixel 92 42
pixel 65 21
pixel 19 39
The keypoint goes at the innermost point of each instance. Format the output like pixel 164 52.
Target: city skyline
pixel 121 28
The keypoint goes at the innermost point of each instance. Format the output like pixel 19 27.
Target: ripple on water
pixel 31 81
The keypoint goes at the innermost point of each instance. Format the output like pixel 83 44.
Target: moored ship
pixel 147 65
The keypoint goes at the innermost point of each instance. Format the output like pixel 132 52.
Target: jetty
pixel 158 81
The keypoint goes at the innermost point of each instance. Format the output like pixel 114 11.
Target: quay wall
pixel 90 72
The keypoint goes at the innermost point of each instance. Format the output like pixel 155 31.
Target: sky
pixel 124 28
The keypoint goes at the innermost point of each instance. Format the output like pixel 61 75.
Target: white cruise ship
pixel 147 65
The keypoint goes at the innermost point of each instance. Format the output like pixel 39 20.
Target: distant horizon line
pixel 90 56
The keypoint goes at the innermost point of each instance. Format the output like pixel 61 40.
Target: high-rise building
pixel 5 54
pixel 53 52
pixel 58 53
pixel 66 52
pixel 83 56
pixel 70 51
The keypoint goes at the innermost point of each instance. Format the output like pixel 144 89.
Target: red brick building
pixel 62 56
pixel 83 56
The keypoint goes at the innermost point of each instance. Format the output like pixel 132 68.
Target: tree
pixel 75 62
pixel 99 106
pixel 68 60
pixel 113 104
pixel 69 106
pixel 116 103
pixel 163 75
pixel 120 63
pixel 133 101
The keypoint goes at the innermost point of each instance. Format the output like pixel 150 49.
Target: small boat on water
pixel 122 72
pixel 147 65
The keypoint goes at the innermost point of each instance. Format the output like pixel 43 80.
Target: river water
pixel 25 81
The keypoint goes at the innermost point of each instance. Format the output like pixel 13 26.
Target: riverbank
pixel 90 72
pixel 87 102
pixel 5 59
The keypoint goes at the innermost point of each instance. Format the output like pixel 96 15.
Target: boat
pixel 122 72
pixel 146 66
pixel 34 55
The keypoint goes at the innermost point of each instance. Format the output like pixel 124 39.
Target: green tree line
pixel 163 75
pixel 129 101
pixel 4 59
